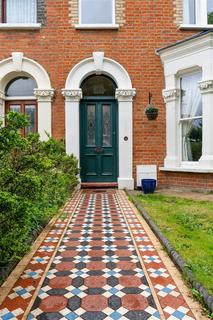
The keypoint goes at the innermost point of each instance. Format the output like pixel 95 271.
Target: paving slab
pixel 100 262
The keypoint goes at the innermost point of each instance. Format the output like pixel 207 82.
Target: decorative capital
pixel 44 94
pixel 171 95
pixel 125 94
pixel 2 95
pixel 72 95
pixel 206 86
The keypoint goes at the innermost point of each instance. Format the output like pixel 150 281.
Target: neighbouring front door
pixel 98 132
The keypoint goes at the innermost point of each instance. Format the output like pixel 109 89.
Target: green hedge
pixel 36 178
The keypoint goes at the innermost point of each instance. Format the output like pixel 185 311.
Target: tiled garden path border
pixel 130 214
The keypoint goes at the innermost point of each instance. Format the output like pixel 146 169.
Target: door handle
pixel 99 150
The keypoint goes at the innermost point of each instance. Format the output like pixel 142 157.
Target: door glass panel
pixel 107 126
pixel 30 111
pixel 15 107
pixel 91 125
pixel 98 86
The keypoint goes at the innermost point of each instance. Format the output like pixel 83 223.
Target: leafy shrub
pixel 36 178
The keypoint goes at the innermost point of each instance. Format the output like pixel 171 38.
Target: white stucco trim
pixel 97 26
pixel 194 54
pixel 18 65
pixel 20 26
pixel 98 64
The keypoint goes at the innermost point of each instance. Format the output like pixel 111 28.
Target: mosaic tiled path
pixel 100 264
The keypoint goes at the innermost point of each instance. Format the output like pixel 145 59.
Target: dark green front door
pixel 98 132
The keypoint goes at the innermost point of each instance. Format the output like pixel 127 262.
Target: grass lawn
pixel 188 225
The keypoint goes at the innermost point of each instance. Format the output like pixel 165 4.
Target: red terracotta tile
pixel 96 265
pixel 134 302
pixel 130 281
pixel 94 303
pixel 123 253
pixel 53 304
pixel 96 253
pixel 126 265
pixel 68 253
pixel 95 282
pixel 60 282
pixel 65 266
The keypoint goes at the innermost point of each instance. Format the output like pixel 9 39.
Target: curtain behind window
pixel 191 106
pixel 96 11
pixel 189 11
pixel 21 11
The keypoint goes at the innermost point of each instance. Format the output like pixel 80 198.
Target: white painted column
pixel 125 140
pixel 2 106
pixel 44 99
pixel 171 98
pixel 72 125
pixel 206 88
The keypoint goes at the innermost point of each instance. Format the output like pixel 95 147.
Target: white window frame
pixel 201 14
pixel 21 26
pixel 181 120
pixel 112 25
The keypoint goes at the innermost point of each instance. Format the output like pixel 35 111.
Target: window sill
pixel 193 170
pixel 20 26
pixel 196 27
pixel 96 26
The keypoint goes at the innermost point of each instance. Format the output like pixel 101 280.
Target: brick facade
pixel 144 27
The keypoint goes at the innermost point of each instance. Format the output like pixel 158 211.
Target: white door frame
pixel 98 64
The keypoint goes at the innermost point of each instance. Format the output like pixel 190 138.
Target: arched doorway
pixel 124 93
pixel 98 130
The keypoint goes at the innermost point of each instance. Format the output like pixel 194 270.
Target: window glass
pixel 30 111
pixel 189 11
pixel 191 101
pixel 192 140
pixel 191 117
pixel 210 11
pixel 98 86
pixel 20 11
pixel 15 107
pixel 96 11
pixel 21 86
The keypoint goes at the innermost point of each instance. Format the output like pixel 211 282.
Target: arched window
pixel 17 92
pixel 96 85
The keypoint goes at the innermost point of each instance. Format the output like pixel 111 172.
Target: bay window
pixel 19 11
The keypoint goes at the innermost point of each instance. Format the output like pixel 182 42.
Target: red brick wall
pixel 149 25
